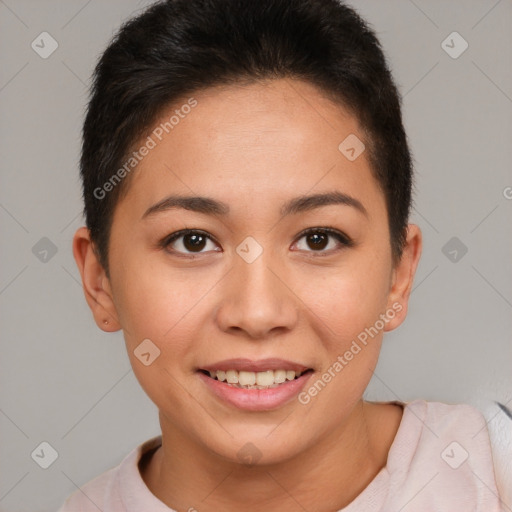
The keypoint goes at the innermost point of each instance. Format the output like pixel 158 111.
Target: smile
pixel 255 385
pixel 267 379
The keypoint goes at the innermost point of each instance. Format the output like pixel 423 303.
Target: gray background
pixel 64 381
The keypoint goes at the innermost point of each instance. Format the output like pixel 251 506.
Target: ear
pixel 95 282
pixel 403 277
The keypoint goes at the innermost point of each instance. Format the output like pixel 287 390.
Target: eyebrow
pixel 209 206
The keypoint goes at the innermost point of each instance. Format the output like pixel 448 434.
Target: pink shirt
pixel 440 460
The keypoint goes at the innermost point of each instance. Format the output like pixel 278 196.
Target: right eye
pixel 188 241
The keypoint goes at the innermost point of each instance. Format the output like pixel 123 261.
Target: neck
pixel 333 471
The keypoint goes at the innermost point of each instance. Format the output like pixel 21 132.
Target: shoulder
pixel 444 451
pixel 445 414
pixel 459 420
pixel 106 491
pixel 93 495
pixel 457 428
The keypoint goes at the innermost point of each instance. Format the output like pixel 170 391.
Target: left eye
pixel 318 239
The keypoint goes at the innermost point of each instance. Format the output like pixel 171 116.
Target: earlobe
pixel 403 276
pixel 95 282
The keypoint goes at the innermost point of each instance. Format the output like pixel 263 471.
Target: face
pixel 255 276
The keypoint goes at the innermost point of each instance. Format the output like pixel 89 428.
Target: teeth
pixel 254 380
pixel 266 378
pixel 247 378
pixel 232 376
pixel 279 376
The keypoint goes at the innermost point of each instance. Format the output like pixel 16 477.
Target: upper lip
pixel 261 365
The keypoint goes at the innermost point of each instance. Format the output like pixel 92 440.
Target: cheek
pixel 167 309
pixel 344 307
pixel 159 305
pixel 349 299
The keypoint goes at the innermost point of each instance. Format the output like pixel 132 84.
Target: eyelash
pixel 343 239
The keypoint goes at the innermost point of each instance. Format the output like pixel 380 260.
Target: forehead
pixel 257 140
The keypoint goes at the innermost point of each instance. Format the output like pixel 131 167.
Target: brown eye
pixel 317 241
pixel 194 242
pixel 323 240
pixel 189 241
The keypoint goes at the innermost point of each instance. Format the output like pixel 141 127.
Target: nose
pixel 256 299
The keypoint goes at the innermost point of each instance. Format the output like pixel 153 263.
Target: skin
pixel 255 147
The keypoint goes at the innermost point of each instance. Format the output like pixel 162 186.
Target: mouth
pixel 267 379
pixel 255 385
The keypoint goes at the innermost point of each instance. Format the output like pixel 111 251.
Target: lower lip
pixel 257 399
